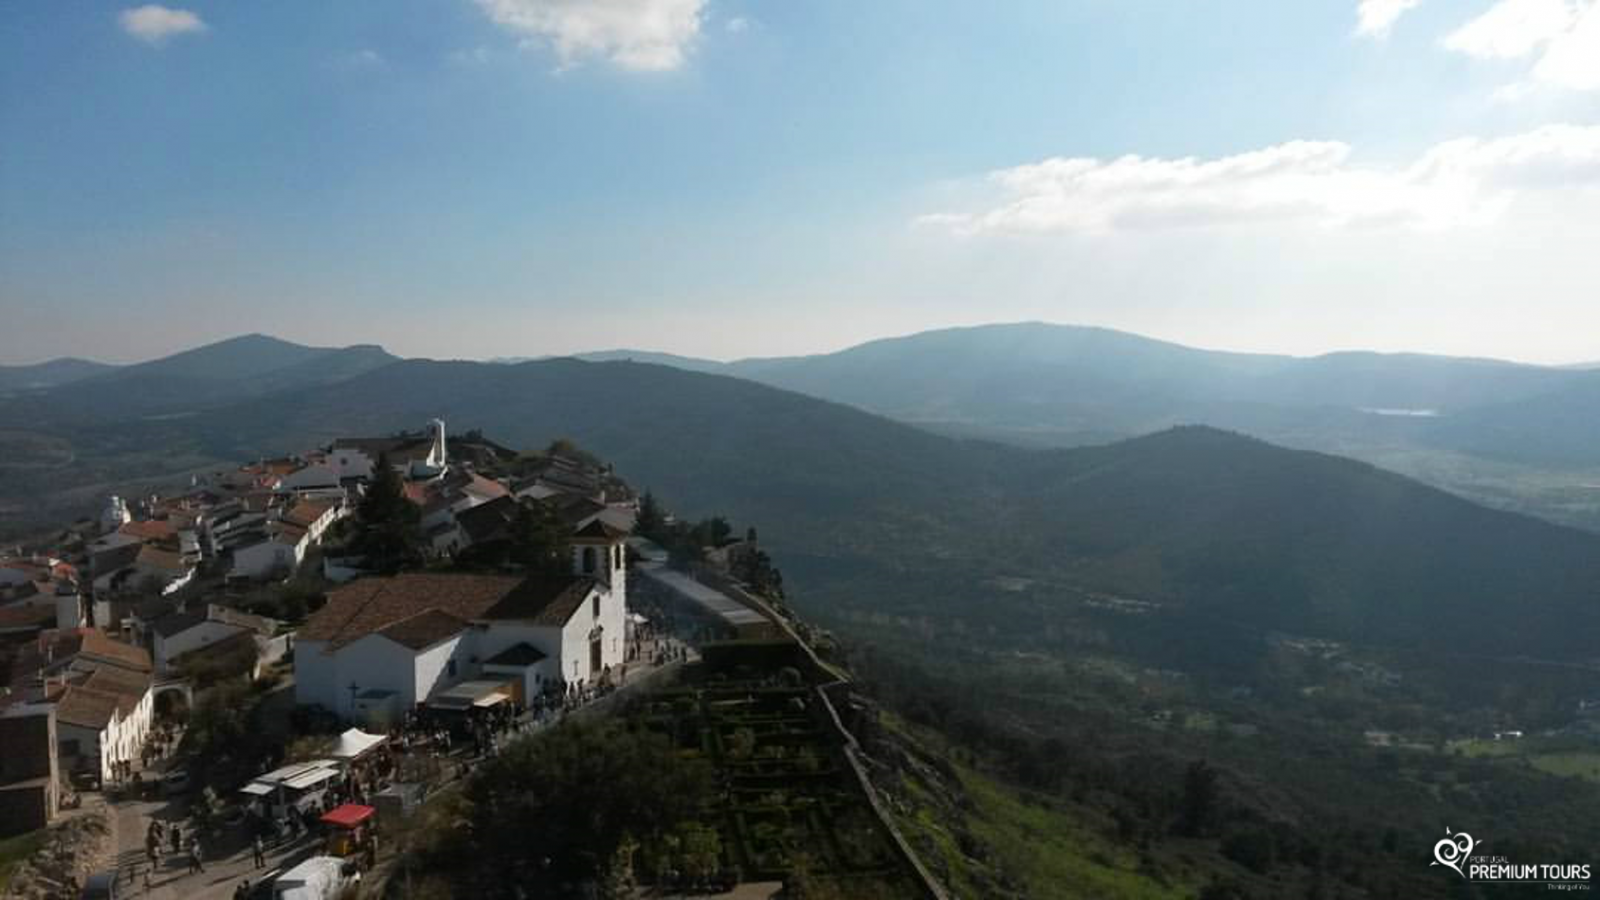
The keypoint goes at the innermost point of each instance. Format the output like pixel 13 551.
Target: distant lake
pixel 1411 413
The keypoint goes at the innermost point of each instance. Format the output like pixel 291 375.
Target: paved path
pixel 225 855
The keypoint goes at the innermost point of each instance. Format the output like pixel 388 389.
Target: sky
pixel 730 178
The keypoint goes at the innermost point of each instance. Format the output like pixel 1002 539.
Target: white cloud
pixel 1572 59
pixel 153 24
pixel 1459 182
pixel 737 24
pixel 1374 18
pixel 643 35
pixel 1562 35
pixel 1513 28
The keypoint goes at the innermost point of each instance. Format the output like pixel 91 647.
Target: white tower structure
pixel 436 455
pixel 115 515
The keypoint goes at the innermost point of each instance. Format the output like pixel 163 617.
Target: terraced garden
pixel 793 808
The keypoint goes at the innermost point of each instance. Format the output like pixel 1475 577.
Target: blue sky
pixel 455 178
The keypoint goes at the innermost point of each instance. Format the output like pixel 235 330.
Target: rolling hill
pixel 1462 424
pixel 881 516
pixel 49 374
pixel 1099 380
pixel 192 380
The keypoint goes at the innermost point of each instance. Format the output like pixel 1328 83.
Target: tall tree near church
pixel 539 539
pixel 652 520
pixel 388 522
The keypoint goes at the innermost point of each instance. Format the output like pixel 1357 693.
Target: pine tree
pixel 651 519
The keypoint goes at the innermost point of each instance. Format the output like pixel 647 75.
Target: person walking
pixel 195 864
pixel 177 838
pixel 258 851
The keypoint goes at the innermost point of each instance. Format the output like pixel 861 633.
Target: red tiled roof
pixel 150 530
pixel 424 629
pixel 94 643
pixel 86 707
pixel 306 512
pixel 156 558
pixel 373 605
pixel 128 686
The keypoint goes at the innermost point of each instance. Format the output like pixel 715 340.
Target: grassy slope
pixel 1043 848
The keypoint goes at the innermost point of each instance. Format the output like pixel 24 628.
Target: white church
pixel 383 645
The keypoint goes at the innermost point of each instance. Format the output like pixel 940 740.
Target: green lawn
pixel 1559 759
pixel 1584 764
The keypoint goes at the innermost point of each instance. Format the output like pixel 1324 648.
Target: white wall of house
pixel 119 741
pixel 166 649
pixel 325 521
pixel 266 559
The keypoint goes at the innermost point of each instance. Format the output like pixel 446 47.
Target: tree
pixel 387 537
pixel 540 539
pixel 652 520
pixel 1198 809
pixel 556 808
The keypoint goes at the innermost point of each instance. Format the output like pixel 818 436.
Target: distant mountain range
pixel 53 373
pixel 1517 436
pixel 183 383
pixel 875 517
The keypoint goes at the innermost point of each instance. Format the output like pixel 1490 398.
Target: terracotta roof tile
pixel 96 644
pixel 150 530
pixel 86 707
pixel 372 605
pixel 424 629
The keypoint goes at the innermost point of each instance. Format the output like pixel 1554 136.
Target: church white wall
pixel 315 675
pixel 432 670
pixel 373 662
pixel 575 635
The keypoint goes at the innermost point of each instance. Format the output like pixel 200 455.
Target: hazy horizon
pixel 577 350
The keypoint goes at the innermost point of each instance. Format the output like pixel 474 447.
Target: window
pixel 588 560
pixel 450 668
pixel 596 605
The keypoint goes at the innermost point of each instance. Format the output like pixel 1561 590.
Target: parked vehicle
pixel 175 782
pixel 100 886
pixel 318 878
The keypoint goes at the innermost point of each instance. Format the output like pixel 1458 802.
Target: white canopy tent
pixel 355 742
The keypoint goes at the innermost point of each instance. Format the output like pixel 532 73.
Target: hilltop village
pixel 262 675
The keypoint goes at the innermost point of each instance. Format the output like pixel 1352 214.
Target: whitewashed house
pixel 101 689
pixel 179 633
